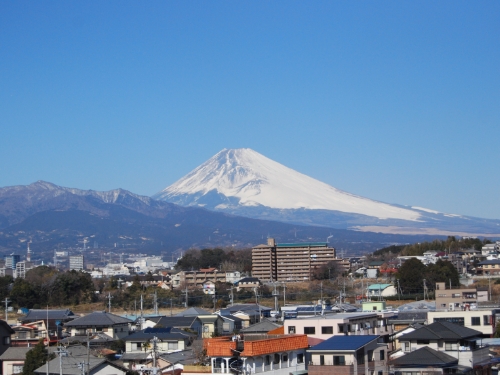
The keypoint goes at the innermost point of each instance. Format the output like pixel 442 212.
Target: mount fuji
pixel 246 183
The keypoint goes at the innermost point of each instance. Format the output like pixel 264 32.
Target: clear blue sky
pixel 395 101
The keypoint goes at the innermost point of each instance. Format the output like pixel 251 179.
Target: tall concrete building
pixel 12 260
pixel 290 261
pixel 76 262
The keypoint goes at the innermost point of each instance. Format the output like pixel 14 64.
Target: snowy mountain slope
pixel 255 180
pixel 244 182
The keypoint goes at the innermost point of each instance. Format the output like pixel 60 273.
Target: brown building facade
pixel 289 261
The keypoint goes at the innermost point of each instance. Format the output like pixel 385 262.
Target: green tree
pixel 442 271
pixel 24 294
pixel 410 276
pixel 36 358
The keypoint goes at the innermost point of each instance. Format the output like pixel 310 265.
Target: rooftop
pixel 425 357
pixel 345 342
pixel 441 330
pixel 99 318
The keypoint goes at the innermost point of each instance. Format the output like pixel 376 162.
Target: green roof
pixel 379 286
pixel 303 244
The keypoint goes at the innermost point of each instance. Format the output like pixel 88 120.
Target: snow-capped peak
pixel 247 178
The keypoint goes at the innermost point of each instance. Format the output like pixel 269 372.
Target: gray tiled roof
pixel 70 365
pixel 177 321
pixel 262 327
pixel 425 357
pixel 41 314
pixel 100 318
pixel 14 353
pixel 440 330
pixel 161 333
pixel 193 311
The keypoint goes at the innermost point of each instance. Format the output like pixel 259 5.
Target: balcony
pixel 329 369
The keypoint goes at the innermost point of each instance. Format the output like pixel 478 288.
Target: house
pixel 13 360
pixel 482 320
pixel 427 361
pixel 5 333
pixel 211 325
pixel 488 267
pixel 187 323
pixel 454 298
pixel 381 290
pixel 348 355
pixel 168 340
pixel 462 343
pixel 344 324
pixel 231 324
pixel 55 319
pixel 29 334
pixel 250 313
pixel 112 325
pixel 276 354
pixel 248 283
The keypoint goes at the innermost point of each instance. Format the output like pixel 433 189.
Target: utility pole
pixel 7 310
pixel 399 296
pixel 186 304
pixel 61 351
pixel 155 303
pixel 142 301
pixel 232 295
pixel 88 353
pixel 155 341
pixel 425 288
pixel 109 297
pixel 170 306
pixel 284 294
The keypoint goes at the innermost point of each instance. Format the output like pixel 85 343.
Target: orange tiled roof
pixel 277 331
pixel 222 346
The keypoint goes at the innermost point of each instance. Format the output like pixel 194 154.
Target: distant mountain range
pixel 56 217
pixel 246 183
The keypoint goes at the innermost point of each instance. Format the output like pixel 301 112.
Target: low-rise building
pixel 345 324
pixel 351 355
pixel 276 354
pixel 459 342
pixel 482 320
pixel 112 325
pixel 454 298
pixel 167 340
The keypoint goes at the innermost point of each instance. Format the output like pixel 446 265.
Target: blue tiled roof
pixel 345 342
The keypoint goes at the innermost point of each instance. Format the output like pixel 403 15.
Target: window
pixel 173 345
pixel 360 357
pixel 6 340
pixel 382 355
pixel 276 359
pixel 423 342
pixel 300 358
pixel 407 346
pixel 321 360
pixel 284 358
pixel 268 360
pixel 341 328
pixel 309 330
pixel 327 330
pixel 339 360
pixel 22 335
pixel 291 329
pixel 370 355
pixel 475 321
pixel 486 320
pixel 450 346
pixel 17 368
